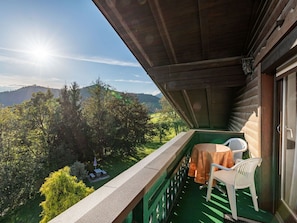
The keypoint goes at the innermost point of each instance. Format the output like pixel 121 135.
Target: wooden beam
pixel 288 46
pixel 108 8
pixel 190 108
pixel 199 84
pixel 203 14
pixel 263 30
pixel 177 107
pixel 161 24
pixel 232 73
pixel 276 36
pixel 197 65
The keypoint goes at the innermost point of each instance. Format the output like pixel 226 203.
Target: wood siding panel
pixel 245 114
pixel 252 115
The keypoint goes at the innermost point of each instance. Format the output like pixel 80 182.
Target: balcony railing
pixel 147 191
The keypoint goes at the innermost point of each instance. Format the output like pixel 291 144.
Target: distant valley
pixel 9 98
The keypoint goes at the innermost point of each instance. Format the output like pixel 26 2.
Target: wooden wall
pixel 245 113
pixel 252 114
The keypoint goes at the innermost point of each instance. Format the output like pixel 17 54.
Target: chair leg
pixel 254 197
pixel 209 188
pixel 232 200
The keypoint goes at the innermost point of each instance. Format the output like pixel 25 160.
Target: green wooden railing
pixel 160 199
pixel 146 192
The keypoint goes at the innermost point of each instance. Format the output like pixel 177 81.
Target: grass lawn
pixel 29 213
pixel 115 165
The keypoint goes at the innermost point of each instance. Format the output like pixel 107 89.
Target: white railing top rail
pixel 116 199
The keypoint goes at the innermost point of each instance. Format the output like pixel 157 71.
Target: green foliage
pixel 151 102
pixel 167 123
pixel 45 134
pixel 29 212
pixel 25 136
pixel 169 116
pixel 113 165
pixel 61 191
pixel 73 128
pixel 96 116
pixel 30 148
pixel 78 169
pixel 117 121
pixel 130 123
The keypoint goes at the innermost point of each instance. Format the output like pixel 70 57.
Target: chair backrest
pixel 245 171
pixel 238 146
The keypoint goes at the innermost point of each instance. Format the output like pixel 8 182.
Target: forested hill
pixel 9 98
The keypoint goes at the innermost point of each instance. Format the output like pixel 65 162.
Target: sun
pixel 40 50
pixel 40 53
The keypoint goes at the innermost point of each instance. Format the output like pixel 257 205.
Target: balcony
pixel 157 189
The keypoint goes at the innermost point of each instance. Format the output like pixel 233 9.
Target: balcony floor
pixel 192 206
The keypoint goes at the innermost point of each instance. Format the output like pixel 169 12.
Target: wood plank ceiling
pixel 191 49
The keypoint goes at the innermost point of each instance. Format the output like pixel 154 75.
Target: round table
pixel 203 155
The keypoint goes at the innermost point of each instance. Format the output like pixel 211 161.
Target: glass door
pixel 288 151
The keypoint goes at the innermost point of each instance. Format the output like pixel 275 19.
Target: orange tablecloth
pixel 203 155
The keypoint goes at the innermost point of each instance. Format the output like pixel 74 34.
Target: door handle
pixel 291 131
pixel 278 129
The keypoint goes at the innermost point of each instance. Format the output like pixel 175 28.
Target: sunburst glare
pixel 41 52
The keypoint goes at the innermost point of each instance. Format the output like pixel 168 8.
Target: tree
pixel 29 148
pixel 25 139
pixel 169 116
pixel 97 118
pixel 130 122
pixel 42 118
pixel 162 129
pixel 116 120
pixel 73 129
pixel 61 191
pixel 15 185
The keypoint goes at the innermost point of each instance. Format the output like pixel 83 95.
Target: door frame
pixel 281 209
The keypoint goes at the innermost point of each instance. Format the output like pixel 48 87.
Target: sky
pixel 53 43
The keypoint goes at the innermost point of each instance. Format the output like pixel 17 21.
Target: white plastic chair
pixel 239 176
pixel 238 146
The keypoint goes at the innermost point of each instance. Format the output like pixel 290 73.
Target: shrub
pixel 78 169
pixel 61 191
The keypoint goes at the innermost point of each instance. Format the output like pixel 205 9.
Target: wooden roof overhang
pixel 191 49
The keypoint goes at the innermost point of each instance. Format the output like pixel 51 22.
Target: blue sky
pixel 56 42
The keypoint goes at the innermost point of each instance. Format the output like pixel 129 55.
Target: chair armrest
pixel 213 165
pixel 239 150
pixel 238 160
pixel 226 143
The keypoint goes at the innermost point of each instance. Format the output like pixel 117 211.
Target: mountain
pixel 160 95
pixel 152 102
pixel 9 98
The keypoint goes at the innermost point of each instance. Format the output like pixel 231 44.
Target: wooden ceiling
pixel 191 49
